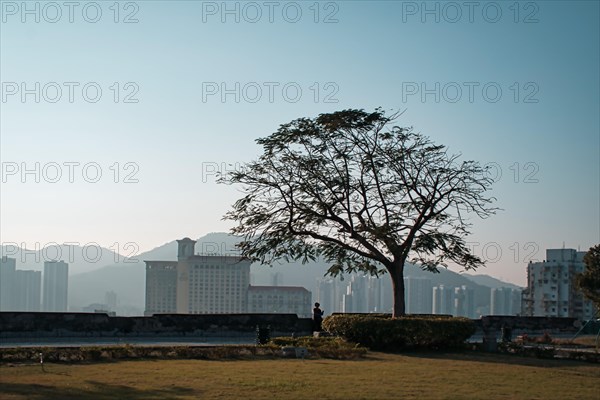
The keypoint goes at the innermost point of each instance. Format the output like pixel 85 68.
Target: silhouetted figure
pixel 317 317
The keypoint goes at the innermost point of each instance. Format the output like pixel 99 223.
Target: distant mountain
pixel 490 281
pixel 128 281
pixel 81 258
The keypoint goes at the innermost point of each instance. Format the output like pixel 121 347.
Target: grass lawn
pixel 378 376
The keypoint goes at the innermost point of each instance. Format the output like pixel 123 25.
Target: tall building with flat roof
pixel 464 302
pixel 443 300
pixel 505 301
pixel 212 284
pixel 551 289
pixel 56 286
pixel 161 287
pixel 197 284
pixel 7 283
pixel 418 294
pixel 280 300
pixel 29 290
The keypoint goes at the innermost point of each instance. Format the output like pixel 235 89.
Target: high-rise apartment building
pixel 551 289
pixel 7 283
pixel 443 300
pixel 56 286
pixel 505 301
pixel 418 293
pixel 464 302
pixel 28 290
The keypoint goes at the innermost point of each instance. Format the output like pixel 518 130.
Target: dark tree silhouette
pixel 589 280
pixel 360 192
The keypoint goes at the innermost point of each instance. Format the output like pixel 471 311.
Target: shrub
pixel 324 347
pixel 377 333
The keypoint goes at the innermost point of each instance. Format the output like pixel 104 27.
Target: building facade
pixel 464 302
pixel 20 290
pixel 29 289
pixel 161 287
pixel 56 286
pixel 280 300
pixel 505 301
pixel 7 283
pixel 551 289
pixel 418 293
pixel 197 284
pixel 443 300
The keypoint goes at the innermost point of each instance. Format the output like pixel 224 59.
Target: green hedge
pixel 377 333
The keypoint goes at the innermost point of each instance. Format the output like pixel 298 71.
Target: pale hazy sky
pixel 157 104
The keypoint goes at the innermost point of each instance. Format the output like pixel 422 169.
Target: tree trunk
pixel 397 275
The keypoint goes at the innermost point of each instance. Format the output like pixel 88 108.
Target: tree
pixel 361 192
pixel 589 281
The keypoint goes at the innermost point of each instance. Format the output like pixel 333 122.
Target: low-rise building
pixel 280 300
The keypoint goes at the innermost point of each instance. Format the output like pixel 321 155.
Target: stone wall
pixel 531 324
pixel 51 325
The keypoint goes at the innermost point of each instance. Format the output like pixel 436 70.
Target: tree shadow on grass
pixel 94 390
pixel 496 358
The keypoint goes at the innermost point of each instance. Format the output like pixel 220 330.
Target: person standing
pixel 317 317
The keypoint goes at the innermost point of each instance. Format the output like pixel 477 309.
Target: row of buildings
pixel 28 290
pixel 551 292
pixel 365 294
pixel 200 284
pixel 203 284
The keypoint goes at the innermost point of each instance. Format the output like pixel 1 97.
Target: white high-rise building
pixel 355 293
pixel 329 295
pixel 418 294
pixel 443 300
pixel 551 289
pixel 56 286
pixel 376 298
pixel 29 290
pixel 505 301
pixel 464 302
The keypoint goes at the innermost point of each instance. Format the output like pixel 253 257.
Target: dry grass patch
pixel 378 376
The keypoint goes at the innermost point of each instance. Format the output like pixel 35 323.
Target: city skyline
pixel 99 256
pixel 221 284
pixel 177 107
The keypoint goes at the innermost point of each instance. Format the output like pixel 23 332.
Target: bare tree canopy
pixel 361 192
